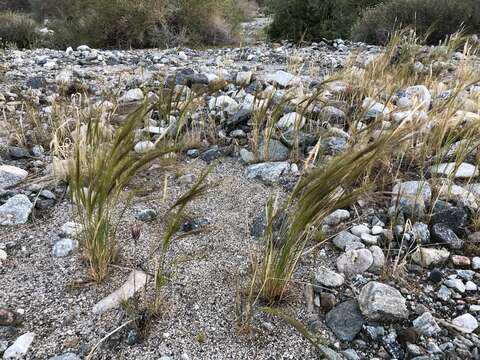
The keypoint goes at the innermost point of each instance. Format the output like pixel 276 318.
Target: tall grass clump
pixel 433 19
pixel 103 163
pixel 17 29
pixel 314 20
pixel 325 188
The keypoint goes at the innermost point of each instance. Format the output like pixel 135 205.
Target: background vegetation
pixel 371 21
pixel 163 23
pixel 125 23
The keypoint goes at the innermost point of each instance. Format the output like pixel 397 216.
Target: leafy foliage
pixel 17 29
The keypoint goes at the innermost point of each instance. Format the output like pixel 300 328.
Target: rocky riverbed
pixel 366 298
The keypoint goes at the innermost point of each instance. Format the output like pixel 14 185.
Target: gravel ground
pixel 199 301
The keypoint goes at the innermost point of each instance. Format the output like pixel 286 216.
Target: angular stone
pixel 354 262
pixel 328 278
pixel 269 172
pixel 11 176
pixel 426 325
pixel 462 171
pixel 430 256
pixel 345 320
pixel 456 284
pixel 136 281
pixel 20 347
pixel 16 210
pixel 442 234
pixel 381 302
pixel 282 78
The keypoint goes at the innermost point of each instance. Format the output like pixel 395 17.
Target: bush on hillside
pixel 141 23
pixel 209 21
pixel 433 19
pixel 48 9
pixel 109 23
pixel 314 19
pixel 17 29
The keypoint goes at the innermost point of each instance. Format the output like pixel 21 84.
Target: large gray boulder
pixel 16 210
pixel 381 302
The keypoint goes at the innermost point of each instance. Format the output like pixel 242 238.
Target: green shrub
pixel 433 19
pixel 46 9
pixel 17 29
pixel 110 23
pixel 314 19
pixel 141 23
pixel 209 21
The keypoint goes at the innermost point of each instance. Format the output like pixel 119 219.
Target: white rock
pixel 358 230
pixel 20 347
pixel 462 171
pixel 377 230
pixel 64 77
pixel 225 103
pixel 419 96
pixel 466 323
pixel 429 256
pixel 244 77
pixel 11 176
pixel 282 78
pixel 456 284
pixel 471 286
pixel 374 109
pixel 132 95
pixel 3 255
pixel 144 146
pixel 70 229
pixel 136 281
pixel 290 121
pixel 476 263
pixel 83 48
